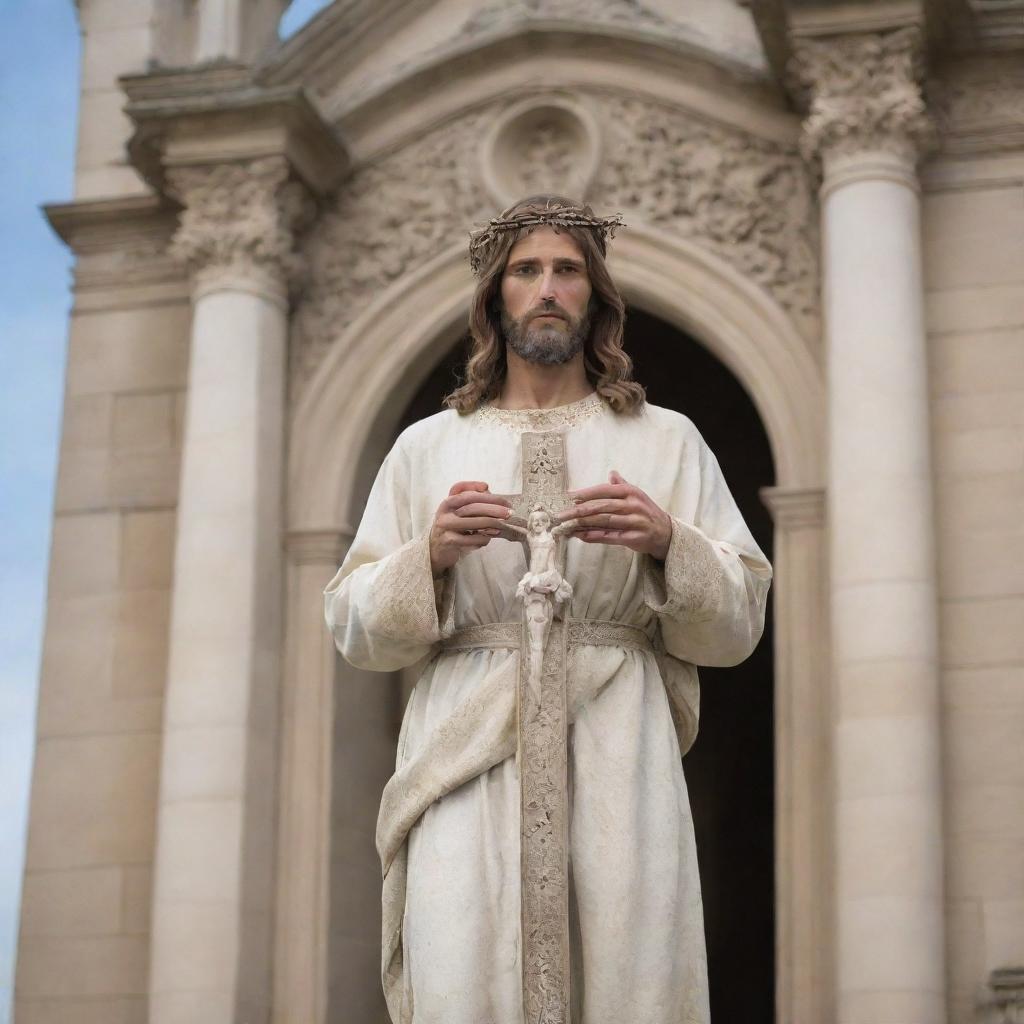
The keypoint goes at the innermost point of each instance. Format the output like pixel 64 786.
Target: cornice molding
pixel 826 19
pixel 119 242
pixel 96 225
pixel 979 104
pixel 217 113
pixel 998 24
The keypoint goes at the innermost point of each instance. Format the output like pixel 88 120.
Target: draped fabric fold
pixel 478 734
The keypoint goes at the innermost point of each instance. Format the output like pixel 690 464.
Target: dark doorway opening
pixel 730 769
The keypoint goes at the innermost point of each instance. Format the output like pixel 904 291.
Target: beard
pixel 545 343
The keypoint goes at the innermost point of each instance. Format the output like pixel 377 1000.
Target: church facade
pixel 825 200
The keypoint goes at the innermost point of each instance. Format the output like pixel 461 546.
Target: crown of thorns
pixel 481 241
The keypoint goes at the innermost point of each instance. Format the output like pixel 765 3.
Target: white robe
pixel 448 833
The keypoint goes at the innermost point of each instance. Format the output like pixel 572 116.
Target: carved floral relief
pixel 748 200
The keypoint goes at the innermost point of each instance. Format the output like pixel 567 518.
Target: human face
pixel 539 521
pixel 545 297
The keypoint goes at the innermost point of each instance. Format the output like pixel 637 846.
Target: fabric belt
pixel 582 633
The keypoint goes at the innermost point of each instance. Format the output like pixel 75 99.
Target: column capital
pixel 793 507
pixel 318 546
pixel 240 219
pixel 245 160
pixel 863 93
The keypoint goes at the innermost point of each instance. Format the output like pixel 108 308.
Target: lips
pixel 548 316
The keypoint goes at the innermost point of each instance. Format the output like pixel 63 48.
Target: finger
pixel 462 524
pixel 607 521
pixel 602 491
pixel 470 540
pixel 617 506
pixel 468 485
pixel 480 509
pixel 624 538
pixel 454 501
pixel 594 535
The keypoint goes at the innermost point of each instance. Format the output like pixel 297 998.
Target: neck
pixel 533 386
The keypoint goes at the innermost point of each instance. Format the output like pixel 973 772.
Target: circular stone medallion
pixel 544 144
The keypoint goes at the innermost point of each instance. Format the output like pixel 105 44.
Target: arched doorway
pixel 344 425
pixel 730 769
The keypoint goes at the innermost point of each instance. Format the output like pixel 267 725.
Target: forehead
pixel 544 242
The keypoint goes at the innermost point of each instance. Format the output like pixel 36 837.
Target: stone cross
pixel 542 759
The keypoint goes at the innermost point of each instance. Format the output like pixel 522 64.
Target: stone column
pixel 304 833
pixel 803 848
pixel 213 885
pixel 866 123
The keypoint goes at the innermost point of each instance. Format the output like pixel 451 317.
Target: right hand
pixel 467 519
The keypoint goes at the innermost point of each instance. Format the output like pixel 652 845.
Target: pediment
pixel 375 65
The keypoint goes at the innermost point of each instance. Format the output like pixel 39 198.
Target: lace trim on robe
pixel 413 606
pixel 688 586
pixel 543 419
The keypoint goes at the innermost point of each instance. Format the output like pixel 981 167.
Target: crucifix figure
pixel 543 587
pixel 538 855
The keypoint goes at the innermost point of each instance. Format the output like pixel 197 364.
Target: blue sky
pixel 39 60
pixel 39 50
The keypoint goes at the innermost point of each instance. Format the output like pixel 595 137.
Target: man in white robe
pixel 657 543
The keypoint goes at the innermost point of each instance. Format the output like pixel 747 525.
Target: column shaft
pixel 214 872
pixel 889 882
pixel 304 829
pixel 803 826
pixel 867 121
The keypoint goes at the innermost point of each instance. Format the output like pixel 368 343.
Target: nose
pixel 547 286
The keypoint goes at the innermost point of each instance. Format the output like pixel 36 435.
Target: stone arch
pixel 359 390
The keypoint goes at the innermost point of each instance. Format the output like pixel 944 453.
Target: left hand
pixel 619 513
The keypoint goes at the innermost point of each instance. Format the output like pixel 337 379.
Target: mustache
pixel 553 311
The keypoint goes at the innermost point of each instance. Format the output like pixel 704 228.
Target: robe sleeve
pixel 711 591
pixel 383 607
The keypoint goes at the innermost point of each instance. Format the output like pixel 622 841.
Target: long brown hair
pixel 608 367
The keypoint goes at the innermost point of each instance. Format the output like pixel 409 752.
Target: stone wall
pixel 974 272
pixel 84 944
pixel 117 37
